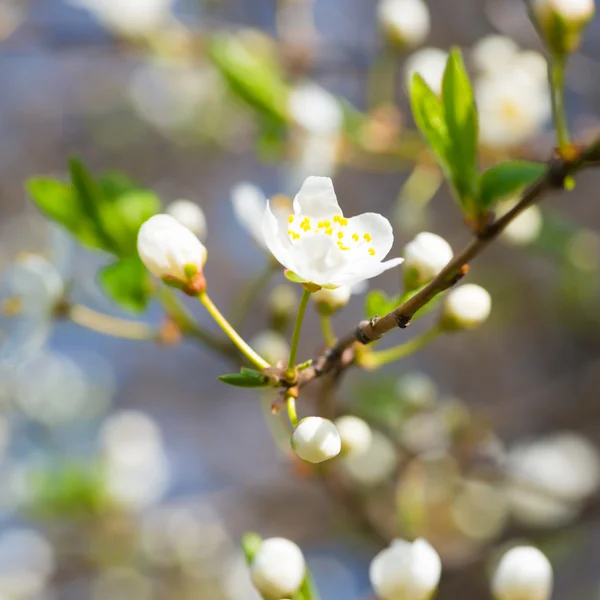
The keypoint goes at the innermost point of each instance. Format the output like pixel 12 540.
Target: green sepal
pixel 291 276
pixel 250 544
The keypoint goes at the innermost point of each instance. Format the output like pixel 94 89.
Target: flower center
pixel 338 227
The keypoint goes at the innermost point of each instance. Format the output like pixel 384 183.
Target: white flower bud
pixel 466 306
pixel 375 465
pixel 278 569
pixel 405 22
pixel 190 215
pixel 430 64
pixel 523 573
pixel 406 570
pixel 170 250
pixel 283 300
pixel 416 390
pixel 425 257
pixel 356 435
pixel 525 229
pixel 316 440
pixel 271 345
pixel 561 22
pixel 329 301
pixel 493 53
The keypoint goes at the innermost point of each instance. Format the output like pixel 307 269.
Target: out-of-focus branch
pixel 341 355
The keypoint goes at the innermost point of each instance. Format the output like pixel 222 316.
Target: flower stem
pixel 298 328
pixel 374 360
pixel 231 333
pixel 109 325
pixel 290 403
pixel 557 92
pixel 327 330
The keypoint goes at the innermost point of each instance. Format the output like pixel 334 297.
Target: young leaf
pixel 376 304
pixel 428 113
pixel 59 202
pixel 508 178
pixel 126 282
pixel 246 378
pixel 460 115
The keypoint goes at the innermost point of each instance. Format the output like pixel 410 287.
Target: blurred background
pixel 128 469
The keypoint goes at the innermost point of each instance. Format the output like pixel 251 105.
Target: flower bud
pixel 465 307
pixel 525 228
pixel 190 215
pixel 316 440
pixel 406 570
pixel 356 435
pixel 374 466
pixel 404 22
pixel 172 252
pixel 562 22
pixel 430 64
pixel 330 301
pixel 424 258
pixel 271 345
pixel 523 573
pixel 278 569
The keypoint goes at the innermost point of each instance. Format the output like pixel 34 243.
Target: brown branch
pixel 341 356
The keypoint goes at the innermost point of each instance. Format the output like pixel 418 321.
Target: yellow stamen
pixel 291 219
pixel 355 237
pixel 342 247
pixel 367 237
pixel 372 251
pixel 329 231
pixel 340 235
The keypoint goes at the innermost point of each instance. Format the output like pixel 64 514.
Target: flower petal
pixel 318 259
pixel 379 230
pixel 317 198
pixel 276 239
pixel 366 269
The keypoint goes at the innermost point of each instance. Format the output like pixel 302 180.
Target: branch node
pixel 403 321
pixel 360 333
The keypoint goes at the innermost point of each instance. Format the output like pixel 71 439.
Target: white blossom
pixel 271 345
pixel 513 107
pixel 416 390
pixel 316 439
pixel 375 465
pixel 190 215
pixel 525 228
pixel 355 433
pixel 321 246
pixel 406 22
pixel 278 568
pixel 425 257
pixel 430 63
pixel 466 306
pixel 524 573
pixel 129 17
pixel 406 571
pixel 561 22
pixel 315 109
pixel 170 250
pixel 332 300
pixel 493 53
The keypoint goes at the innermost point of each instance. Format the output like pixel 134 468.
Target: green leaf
pixel 428 112
pixel 376 304
pixel 250 544
pixel 246 378
pixel 59 202
pixel 126 282
pixel 508 178
pixel 460 115
pixel 251 77
pixel 308 589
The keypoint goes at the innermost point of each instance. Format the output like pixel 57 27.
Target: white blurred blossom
pixel 271 345
pixel 424 257
pixel 523 573
pixel 375 465
pixel 329 301
pixel 355 434
pixel 524 229
pixel 136 467
pixel 416 390
pixel 430 63
pixel 493 53
pixel 315 109
pixel 405 22
pixel 466 306
pixel 316 440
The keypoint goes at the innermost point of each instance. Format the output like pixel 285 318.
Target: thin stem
pixel 290 403
pixel 298 328
pixel 557 92
pixel 246 299
pixel 231 333
pixel 109 325
pixel 327 329
pixel 374 360
pixel 186 322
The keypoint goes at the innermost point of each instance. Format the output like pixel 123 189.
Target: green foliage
pixel 308 589
pixel 250 544
pixel 378 303
pixel 103 213
pixel 69 490
pixel 463 130
pixel 246 378
pixel 250 77
pixel 508 178
pixel 126 282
